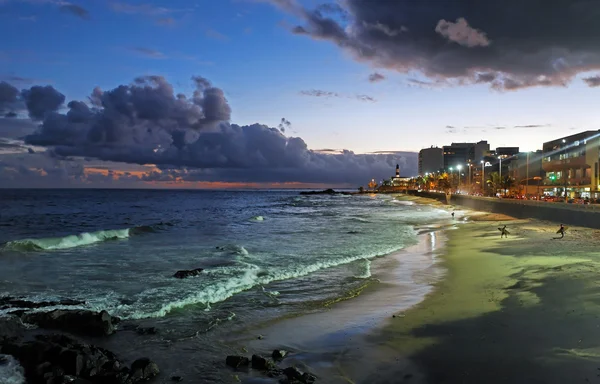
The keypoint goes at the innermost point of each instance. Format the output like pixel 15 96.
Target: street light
pixel 482 177
pixel 459 167
pixel 500 175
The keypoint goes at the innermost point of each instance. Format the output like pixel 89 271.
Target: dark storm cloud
pixel 592 81
pixel 41 100
pixel 9 97
pixel 509 44
pixel 284 124
pixel 375 77
pixel 76 10
pixel 319 93
pixel 146 123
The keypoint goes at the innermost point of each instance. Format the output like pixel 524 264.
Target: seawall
pixel 569 214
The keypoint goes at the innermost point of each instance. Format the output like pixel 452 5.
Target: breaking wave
pixel 11 371
pixel 84 238
pixel 240 279
pixel 257 218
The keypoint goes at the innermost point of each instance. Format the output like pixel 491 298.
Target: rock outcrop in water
pixel 82 322
pixel 58 359
pixel 188 273
pixel 325 192
pixel 8 302
pixel 290 375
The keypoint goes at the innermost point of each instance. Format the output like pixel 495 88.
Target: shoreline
pixel 328 343
pixel 518 310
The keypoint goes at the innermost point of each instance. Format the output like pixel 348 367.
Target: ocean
pixel 267 255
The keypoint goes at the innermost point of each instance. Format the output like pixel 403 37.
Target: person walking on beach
pixel 561 231
pixel 453 215
pixel 503 232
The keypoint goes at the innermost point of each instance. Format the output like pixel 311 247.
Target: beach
pixel 523 309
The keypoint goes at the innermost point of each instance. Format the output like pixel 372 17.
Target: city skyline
pixel 280 93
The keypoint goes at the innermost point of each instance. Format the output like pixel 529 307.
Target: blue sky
pixel 245 48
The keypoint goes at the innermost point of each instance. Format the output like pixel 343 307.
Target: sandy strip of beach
pixel 520 310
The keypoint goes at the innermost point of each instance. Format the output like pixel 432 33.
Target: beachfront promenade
pixel 585 215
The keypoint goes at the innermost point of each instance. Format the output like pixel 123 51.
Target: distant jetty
pixel 326 192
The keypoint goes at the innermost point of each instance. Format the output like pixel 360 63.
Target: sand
pixel 525 309
pixel 520 310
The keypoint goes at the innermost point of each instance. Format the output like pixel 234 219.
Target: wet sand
pixel 525 309
pixel 520 310
pixel 330 342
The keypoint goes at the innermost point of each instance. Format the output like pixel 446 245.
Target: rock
pixel 7 302
pixel 146 331
pixel 260 337
pixel 294 375
pixel 262 364
pixel 185 273
pixel 59 359
pixel 176 379
pixel 11 327
pixel 237 361
pixel 279 354
pixel 84 322
pixel 143 369
pixel 308 378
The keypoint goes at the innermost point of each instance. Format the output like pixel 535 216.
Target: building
pixel 527 171
pixel 507 152
pixel 431 160
pixel 458 154
pixel 482 149
pixel 571 165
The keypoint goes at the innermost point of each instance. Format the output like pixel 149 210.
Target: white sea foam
pixel 66 242
pixel 241 278
pixel 11 371
pixel 257 218
pixel 364 269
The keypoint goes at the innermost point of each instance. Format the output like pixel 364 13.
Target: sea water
pixel 265 255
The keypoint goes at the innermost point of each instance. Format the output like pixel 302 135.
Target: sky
pixel 281 93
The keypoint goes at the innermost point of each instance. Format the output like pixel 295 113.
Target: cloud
pixel 592 81
pixel 140 9
pixel 319 93
pixel 147 52
pixel 76 10
pixel 532 126
pixel 499 128
pixel 365 98
pixel 9 98
pixel 376 77
pixel 191 138
pixel 461 33
pixel 450 127
pixel 508 45
pixel 284 124
pixel 216 35
pixel 41 100
pixel 165 21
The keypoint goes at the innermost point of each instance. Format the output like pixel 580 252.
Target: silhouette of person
pixel 561 231
pixel 503 232
pixel 453 215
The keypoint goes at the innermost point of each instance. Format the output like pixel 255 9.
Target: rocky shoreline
pixel 46 344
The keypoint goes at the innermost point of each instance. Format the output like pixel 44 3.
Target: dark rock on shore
pixel 143 369
pixel 237 361
pixel 262 364
pixel 7 302
pixel 279 354
pixel 58 359
pixel 11 327
pixel 325 192
pixel 176 379
pixel 83 322
pixel 188 273
pixel 294 375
